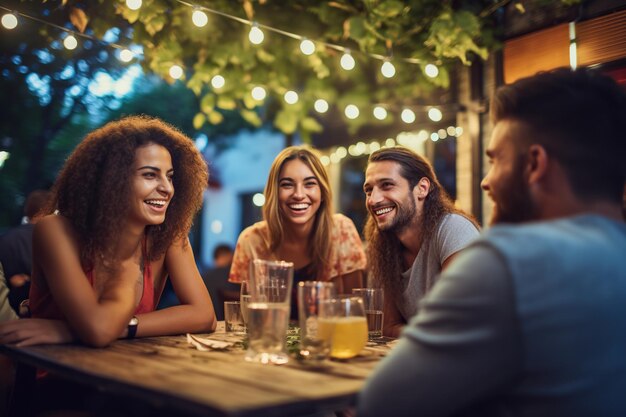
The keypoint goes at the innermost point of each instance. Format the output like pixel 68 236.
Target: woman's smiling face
pixel 151 185
pixel 299 193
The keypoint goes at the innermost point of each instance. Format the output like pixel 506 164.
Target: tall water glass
pixel 310 294
pixel 373 303
pixel 268 310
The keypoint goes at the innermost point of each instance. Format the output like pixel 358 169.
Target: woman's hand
pixel 28 332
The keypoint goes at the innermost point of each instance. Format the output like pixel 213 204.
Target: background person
pixel 529 320
pixel 16 247
pixel 125 198
pixel 216 279
pixel 413 230
pixel 299 226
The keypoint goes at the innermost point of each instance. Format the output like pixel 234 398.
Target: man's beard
pixel 515 204
pixel 406 213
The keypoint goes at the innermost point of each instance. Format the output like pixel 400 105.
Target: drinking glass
pixel 310 295
pixel 233 321
pixel 244 299
pixel 342 322
pixel 268 310
pixel 373 303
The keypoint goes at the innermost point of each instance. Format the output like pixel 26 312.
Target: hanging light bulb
pixel 291 97
pixel 9 21
pixel 320 105
pixel 133 4
pixel 258 93
pixel 351 111
pixel 407 116
pixel 199 18
pixel 256 35
pixel 347 61
pixel 126 55
pixel 387 69
pixel 431 70
pixel 218 81
pixel 380 113
pixel 307 47
pixel 176 71
pixel 435 114
pixel 70 42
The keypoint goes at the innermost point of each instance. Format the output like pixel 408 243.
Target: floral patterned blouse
pixel 346 254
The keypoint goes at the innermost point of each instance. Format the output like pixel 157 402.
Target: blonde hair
pixel 319 243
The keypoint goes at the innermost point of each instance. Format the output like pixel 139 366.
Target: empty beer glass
pixel 310 295
pixel 373 303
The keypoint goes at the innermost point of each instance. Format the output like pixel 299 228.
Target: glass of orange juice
pixel 342 322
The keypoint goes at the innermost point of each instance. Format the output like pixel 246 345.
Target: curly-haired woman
pixel 125 199
pixel 299 226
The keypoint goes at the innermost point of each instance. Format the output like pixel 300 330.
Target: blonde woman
pixel 299 226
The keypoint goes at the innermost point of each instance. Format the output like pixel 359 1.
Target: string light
pixel 387 69
pixel 431 70
pixel 218 82
pixel 126 55
pixel 407 116
pixel 256 35
pixel 9 21
pixel 133 4
pixel 435 114
pixel 70 42
pixel 199 18
pixel 259 93
pixel 176 71
pixel 351 111
pixel 380 113
pixel 291 97
pixel 307 47
pixel 320 105
pixel 347 61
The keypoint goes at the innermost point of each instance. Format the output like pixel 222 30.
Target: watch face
pixel 133 321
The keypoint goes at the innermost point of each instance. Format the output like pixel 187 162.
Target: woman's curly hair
pixel 92 191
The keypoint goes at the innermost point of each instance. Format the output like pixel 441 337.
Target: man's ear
pixel 537 163
pixel 422 188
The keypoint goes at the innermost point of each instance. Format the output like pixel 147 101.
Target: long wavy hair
pixel 93 189
pixel 384 249
pixel 318 243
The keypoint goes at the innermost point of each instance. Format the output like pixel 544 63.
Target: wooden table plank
pixel 167 370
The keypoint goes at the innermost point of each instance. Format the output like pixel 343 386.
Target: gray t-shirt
pixel 454 233
pixel 527 321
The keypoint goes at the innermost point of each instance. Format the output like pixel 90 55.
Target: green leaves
pixel 452 35
pixel 426 31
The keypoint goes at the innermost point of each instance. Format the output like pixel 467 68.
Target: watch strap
pixel 132 328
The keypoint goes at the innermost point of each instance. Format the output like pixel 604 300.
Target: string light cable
pixel 351 111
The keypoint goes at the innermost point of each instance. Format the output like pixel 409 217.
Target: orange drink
pixel 347 335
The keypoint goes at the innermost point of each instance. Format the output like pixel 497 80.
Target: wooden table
pixel 168 371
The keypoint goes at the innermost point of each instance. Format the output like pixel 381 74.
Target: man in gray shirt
pixel 413 230
pixel 529 320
